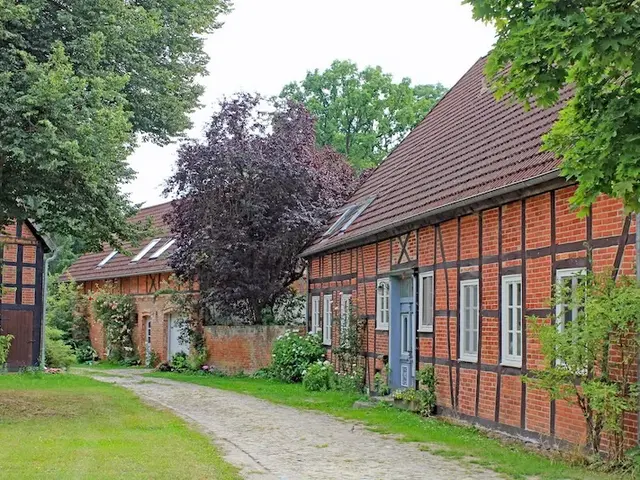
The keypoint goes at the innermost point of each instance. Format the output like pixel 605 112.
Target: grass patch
pixel 68 426
pixel 448 440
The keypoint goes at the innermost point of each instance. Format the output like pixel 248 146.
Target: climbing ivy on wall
pixel 117 313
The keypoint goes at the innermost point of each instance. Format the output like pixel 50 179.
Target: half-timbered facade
pixel 21 278
pixel 142 273
pixel 452 244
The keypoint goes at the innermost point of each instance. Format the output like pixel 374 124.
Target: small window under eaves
pixel 107 258
pixel 162 249
pixel 350 214
pixel 146 250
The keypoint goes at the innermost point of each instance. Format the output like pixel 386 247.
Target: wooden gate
pixel 19 323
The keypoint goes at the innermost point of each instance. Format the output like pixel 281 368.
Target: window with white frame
pixel 567 282
pixel 469 320
pixel 107 258
pixel 512 320
pixel 327 319
pixel 345 311
pixel 382 304
pixel 426 302
pixel 315 314
pixel 146 250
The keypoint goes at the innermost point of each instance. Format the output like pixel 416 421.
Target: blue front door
pixel 402 332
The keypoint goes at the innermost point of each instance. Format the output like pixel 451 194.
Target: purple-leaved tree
pixel 251 197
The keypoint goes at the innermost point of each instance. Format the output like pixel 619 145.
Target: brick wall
pixel 234 349
pixel 231 348
pixel 533 237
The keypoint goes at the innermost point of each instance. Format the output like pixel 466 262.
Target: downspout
pixel 45 290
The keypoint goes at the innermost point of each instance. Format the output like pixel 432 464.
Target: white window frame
pixel 327 319
pixel 466 356
pixel 511 360
pixel 561 275
pixel 383 312
pixel 422 326
pixel 345 310
pixel 162 249
pixel 315 314
pixel 146 250
pixel 107 258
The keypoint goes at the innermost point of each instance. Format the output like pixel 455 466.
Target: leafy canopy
pixel 363 114
pixel 80 80
pixel 594 45
pixel 252 196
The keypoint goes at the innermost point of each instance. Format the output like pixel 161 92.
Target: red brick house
pixel 142 274
pixel 450 244
pixel 22 303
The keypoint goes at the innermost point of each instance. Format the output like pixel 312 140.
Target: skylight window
pixel 346 215
pixel 107 258
pixel 163 249
pixel 349 215
pixel 146 250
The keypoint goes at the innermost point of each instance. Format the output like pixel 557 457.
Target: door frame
pixel 395 314
pixel 170 354
pixel 147 338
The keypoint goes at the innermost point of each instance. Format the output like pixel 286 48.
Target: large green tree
pixel 593 46
pixel 80 82
pixel 363 114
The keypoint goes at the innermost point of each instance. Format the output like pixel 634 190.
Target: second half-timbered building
pixel 448 248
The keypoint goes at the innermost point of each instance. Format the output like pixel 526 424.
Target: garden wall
pixel 234 349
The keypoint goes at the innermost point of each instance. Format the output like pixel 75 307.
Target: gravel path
pixel 269 441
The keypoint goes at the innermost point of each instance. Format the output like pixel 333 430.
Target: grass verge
pixel 69 426
pixel 439 437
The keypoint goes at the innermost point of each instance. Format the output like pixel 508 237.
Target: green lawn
pixel 438 436
pixel 72 427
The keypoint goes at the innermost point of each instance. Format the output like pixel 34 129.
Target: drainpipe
pixel 45 289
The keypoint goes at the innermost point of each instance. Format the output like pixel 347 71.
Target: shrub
pixel 197 359
pixel 293 354
pixel 349 382
pixel 591 361
pixel 153 359
pixel 57 353
pixel 380 385
pixel 5 345
pixel 164 367
pixel 180 362
pixel 319 377
pixel 86 354
pixel 428 383
pixel 423 400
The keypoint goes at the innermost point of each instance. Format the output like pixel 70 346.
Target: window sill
pixel 511 363
pixel 468 359
pixel 425 330
pixel 382 329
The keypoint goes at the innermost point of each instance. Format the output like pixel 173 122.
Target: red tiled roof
pixel 468 145
pixel 86 267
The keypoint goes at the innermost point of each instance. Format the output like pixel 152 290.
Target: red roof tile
pixel 468 145
pixel 86 267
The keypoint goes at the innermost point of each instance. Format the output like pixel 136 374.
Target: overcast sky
pixel 263 45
